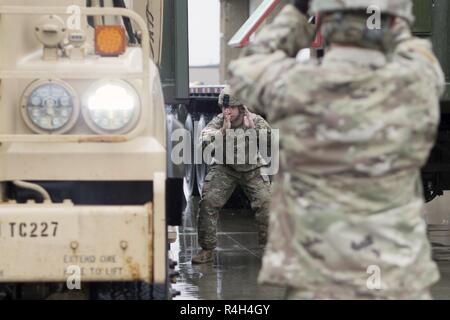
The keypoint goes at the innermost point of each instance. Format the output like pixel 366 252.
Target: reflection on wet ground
pixel 234 273
pixel 439 236
pixel 237 260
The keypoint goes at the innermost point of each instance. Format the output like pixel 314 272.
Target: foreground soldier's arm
pixel 257 77
pixel 418 54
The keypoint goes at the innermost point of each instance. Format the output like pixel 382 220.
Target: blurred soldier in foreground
pixel 355 131
pixel 225 175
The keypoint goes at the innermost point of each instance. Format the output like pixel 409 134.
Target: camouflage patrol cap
pixel 400 8
pixel 227 100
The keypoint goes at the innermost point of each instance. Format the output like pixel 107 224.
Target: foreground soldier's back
pixel 355 130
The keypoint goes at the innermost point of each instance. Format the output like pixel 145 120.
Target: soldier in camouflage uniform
pixel 226 172
pixel 355 129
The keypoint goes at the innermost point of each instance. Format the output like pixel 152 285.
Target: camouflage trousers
pixel 331 294
pixel 219 185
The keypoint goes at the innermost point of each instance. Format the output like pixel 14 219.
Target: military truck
pixel 87 188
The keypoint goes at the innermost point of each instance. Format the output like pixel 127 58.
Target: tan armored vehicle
pixel 83 165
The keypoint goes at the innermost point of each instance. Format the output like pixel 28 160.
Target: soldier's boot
pixel 204 256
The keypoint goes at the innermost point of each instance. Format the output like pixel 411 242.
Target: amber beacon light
pixel 110 40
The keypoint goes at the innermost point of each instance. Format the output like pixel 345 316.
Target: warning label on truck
pixel 93 265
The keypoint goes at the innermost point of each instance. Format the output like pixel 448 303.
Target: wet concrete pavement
pixel 437 215
pixel 237 260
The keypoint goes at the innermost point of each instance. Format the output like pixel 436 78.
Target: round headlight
pixel 50 106
pixel 111 106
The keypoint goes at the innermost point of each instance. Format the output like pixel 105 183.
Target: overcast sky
pixel 204 32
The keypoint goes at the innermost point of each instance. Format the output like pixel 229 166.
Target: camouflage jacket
pixel 355 130
pixel 239 139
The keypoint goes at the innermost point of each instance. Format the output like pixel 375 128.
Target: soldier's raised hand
pixel 248 121
pixel 226 123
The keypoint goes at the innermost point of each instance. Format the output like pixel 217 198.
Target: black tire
pixel 128 291
pixel 200 169
pixel 32 291
pixel 169 128
pixel 181 113
pixel 8 292
pixel 189 176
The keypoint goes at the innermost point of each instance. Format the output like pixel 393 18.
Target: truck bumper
pixel 62 242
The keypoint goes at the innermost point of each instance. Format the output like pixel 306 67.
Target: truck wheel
pixel 8 292
pixel 181 113
pixel 121 291
pixel 200 169
pixel 169 128
pixel 31 291
pixel 189 176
